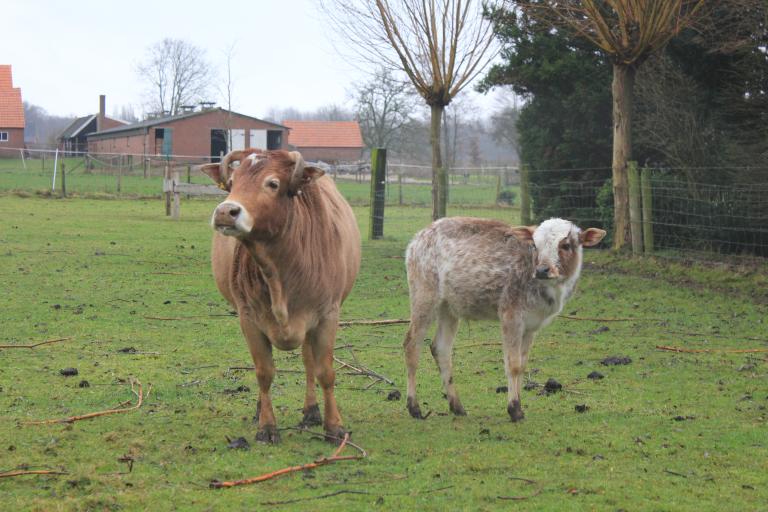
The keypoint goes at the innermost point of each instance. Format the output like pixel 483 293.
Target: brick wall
pixel 191 136
pixel 15 140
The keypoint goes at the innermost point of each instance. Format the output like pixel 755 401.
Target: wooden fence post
pixel 120 175
pixel 647 200
pixel 635 220
pixel 176 211
pixel 400 189
pixel 498 189
pixel 378 185
pixel 63 180
pixel 167 188
pixel 525 197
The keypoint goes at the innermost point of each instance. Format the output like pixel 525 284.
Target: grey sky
pixel 64 54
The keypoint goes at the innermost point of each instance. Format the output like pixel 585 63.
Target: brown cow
pixel 286 252
pixel 470 268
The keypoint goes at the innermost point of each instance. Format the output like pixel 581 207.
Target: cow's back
pixel 466 263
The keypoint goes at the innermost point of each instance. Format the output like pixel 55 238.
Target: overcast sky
pixel 65 53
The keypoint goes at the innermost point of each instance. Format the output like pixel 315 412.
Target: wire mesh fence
pixel 701 213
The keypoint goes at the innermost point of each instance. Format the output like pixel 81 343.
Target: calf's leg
pixel 442 351
pixel 261 353
pixel 515 344
pixel 312 415
pixel 421 318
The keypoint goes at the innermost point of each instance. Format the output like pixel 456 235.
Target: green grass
pixel 95 270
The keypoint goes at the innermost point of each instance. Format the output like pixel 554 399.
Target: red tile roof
pixel 324 134
pixel 11 107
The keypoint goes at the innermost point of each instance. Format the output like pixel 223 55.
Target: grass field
pixel 669 431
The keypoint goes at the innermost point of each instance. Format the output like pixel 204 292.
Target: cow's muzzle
pixel 231 218
pixel 546 272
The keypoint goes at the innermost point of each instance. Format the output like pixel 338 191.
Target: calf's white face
pixel 558 245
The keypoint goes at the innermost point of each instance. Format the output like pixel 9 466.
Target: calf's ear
pixel 591 236
pixel 218 173
pixel 523 233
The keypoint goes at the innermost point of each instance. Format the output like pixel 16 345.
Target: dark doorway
pixel 218 144
pixel 274 139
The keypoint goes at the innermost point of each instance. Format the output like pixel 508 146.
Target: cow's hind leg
pixel 322 339
pixel 442 351
pixel 422 314
pixel 261 352
pixel 311 411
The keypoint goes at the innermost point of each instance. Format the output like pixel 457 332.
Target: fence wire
pixel 702 213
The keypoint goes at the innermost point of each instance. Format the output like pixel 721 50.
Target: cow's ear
pixel 219 174
pixel 591 236
pixel 523 233
pixel 311 174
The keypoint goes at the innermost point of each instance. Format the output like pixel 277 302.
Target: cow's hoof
pixel 335 435
pixel 456 408
pixel 515 411
pixel 415 410
pixel 312 417
pixel 269 435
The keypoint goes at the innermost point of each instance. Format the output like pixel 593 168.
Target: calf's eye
pixel 566 247
pixel 273 184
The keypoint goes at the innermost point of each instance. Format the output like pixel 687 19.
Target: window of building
pixel 3 136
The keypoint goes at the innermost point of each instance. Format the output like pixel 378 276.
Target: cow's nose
pixel 234 211
pixel 542 272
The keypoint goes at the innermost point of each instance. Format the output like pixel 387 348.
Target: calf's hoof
pixel 335 435
pixel 268 435
pixel 415 410
pixel 456 408
pixel 312 417
pixel 515 411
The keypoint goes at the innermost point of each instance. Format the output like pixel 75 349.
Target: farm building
pixel 11 114
pixel 75 136
pixel 203 133
pixel 327 141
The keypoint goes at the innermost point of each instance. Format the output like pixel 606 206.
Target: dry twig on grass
pixel 521 498
pixel 33 345
pixel 139 395
pixel 713 350
pixel 347 323
pixel 22 472
pixel 595 319
pixel 362 370
pixel 292 469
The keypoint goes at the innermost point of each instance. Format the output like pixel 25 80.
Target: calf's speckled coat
pixel 471 268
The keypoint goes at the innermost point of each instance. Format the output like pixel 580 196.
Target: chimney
pixel 102 109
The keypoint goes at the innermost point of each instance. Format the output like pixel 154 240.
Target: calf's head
pixel 558 245
pixel 261 189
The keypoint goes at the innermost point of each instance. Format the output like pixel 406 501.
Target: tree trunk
pixel 623 95
pixel 439 182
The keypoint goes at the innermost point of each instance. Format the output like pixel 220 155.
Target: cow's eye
pixel 566 247
pixel 273 184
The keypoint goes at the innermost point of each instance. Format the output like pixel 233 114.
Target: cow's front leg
pixel 261 352
pixel 312 415
pixel 322 339
pixel 515 347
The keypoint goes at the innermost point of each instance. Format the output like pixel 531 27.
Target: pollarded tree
pixel 440 45
pixel 628 31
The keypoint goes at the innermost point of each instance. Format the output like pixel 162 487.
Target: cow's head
pixel 558 247
pixel 261 189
